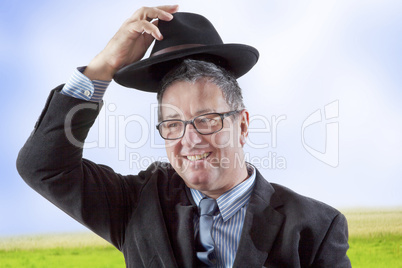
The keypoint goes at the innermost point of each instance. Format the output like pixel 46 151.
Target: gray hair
pixel 193 70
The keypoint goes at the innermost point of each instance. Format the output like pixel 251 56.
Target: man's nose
pixel 191 136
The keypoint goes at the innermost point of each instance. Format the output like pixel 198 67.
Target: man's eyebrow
pixel 199 112
pixel 172 116
pixel 203 111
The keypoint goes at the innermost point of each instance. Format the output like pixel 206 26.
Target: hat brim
pixel 147 74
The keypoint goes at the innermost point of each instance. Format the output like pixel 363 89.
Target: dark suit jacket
pixel 149 216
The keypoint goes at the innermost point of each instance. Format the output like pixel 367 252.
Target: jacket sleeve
pixel 51 163
pixel 332 251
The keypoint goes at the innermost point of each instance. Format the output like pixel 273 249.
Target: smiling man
pixel 208 157
pixel 208 207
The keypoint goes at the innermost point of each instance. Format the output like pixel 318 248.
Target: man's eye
pixel 205 120
pixel 172 125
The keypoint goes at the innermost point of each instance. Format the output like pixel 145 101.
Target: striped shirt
pixel 228 224
pixel 81 87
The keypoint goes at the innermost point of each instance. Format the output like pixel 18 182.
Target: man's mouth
pixel 198 156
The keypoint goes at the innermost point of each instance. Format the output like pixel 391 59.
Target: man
pixel 207 207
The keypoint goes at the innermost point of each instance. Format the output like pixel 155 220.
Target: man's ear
pixel 244 123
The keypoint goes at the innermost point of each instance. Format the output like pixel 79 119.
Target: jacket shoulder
pixel 303 208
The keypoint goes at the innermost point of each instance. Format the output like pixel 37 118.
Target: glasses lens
pixel 171 129
pixel 208 123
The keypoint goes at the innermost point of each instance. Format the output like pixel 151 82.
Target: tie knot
pixel 208 206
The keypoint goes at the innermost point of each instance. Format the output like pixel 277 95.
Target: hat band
pixel 175 48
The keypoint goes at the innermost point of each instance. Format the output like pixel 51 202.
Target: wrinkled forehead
pixel 184 99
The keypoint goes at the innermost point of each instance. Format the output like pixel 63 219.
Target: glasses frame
pixel 191 122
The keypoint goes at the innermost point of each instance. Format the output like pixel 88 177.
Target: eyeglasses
pixel 205 124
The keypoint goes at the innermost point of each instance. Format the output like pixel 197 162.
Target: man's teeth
pixel 197 157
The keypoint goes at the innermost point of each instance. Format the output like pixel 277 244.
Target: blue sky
pixel 343 55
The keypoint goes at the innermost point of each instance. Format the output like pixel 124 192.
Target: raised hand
pixel 130 42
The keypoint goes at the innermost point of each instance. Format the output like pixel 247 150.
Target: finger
pixel 145 27
pixel 169 8
pixel 149 38
pixel 165 12
pixel 150 13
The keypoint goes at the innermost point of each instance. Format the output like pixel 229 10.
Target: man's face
pixel 210 163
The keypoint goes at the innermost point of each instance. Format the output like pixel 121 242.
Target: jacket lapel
pixel 185 235
pixel 183 226
pixel 261 225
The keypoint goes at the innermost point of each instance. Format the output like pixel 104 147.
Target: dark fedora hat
pixel 187 35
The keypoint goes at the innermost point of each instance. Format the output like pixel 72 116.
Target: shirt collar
pixel 231 201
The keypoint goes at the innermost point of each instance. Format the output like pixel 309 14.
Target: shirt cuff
pixel 81 87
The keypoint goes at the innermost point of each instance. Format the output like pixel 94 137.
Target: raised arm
pixel 51 160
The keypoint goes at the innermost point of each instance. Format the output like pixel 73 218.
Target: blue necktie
pixel 208 208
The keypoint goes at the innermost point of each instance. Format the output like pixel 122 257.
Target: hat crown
pixel 186 29
pixel 187 35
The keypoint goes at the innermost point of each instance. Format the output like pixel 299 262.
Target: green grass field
pixel 375 238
